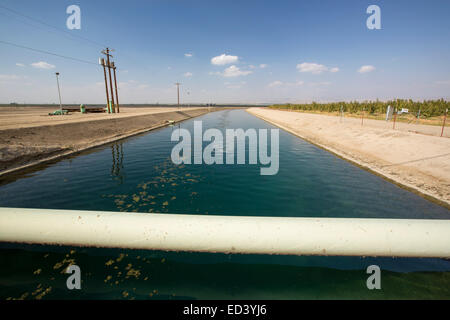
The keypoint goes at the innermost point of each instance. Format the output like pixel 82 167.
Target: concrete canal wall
pixel 417 162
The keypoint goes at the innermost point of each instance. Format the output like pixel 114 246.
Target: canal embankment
pixel 31 137
pixel 417 162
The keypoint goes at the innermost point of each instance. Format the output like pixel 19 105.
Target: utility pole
pixel 108 65
pixel 115 83
pixel 178 93
pixel 59 93
pixel 102 62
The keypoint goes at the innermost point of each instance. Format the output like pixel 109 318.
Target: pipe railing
pixel 228 234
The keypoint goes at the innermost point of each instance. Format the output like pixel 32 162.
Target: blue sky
pixel 274 51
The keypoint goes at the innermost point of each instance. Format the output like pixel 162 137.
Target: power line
pixel 47 52
pixel 53 27
pixel 64 32
pixel 35 26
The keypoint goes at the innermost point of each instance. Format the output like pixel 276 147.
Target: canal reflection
pixel 117 167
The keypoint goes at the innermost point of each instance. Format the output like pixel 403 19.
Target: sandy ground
pixel 25 117
pixel 29 136
pixel 417 161
pixel 414 127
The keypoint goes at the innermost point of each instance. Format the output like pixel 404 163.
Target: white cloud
pixel 366 69
pixel 299 83
pixel 20 65
pixel 262 66
pixel 241 82
pixel 130 87
pixel 13 79
pixel 334 70
pixel 132 84
pixel 314 68
pixel 233 71
pixel 188 74
pixel 275 84
pixel 188 55
pixel 42 65
pixel 319 84
pixel 9 77
pixel 285 84
pixel 224 59
pixel 235 85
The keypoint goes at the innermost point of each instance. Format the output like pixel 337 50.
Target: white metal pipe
pixel 228 234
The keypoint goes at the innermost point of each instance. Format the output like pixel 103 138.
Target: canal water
pixel 137 175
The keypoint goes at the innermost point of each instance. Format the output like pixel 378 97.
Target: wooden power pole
pixel 115 84
pixel 108 65
pixel 102 62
